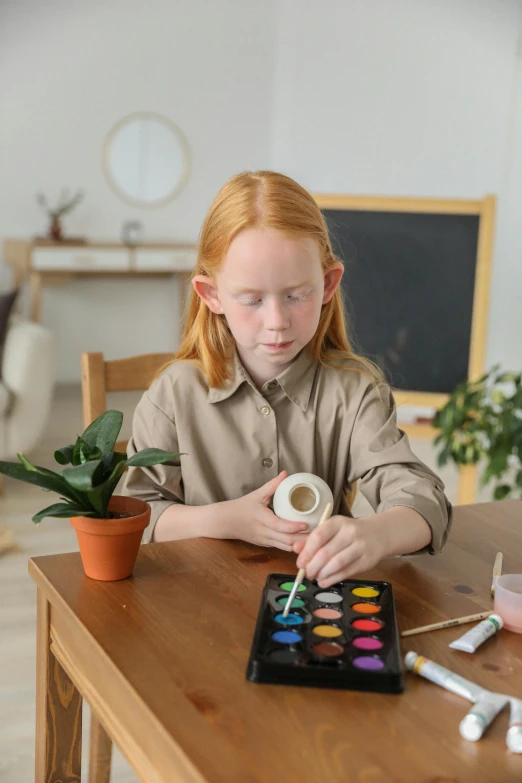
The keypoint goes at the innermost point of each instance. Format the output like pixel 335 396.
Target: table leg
pixel 18 276
pixel 99 753
pixel 467 484
pixel 35 282
pixel 58 711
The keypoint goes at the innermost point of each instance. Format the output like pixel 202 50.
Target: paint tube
pixel 475 723
pixel 474 638
pixel 514 733
pixel 443 677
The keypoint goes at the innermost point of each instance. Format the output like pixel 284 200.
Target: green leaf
pixel 101 494
pixel 77 458
pixel 111 460
pixel 444 455
pixel 498 463
pixel 87 454
pixel 83 452
pixel 62 511
pixel 109 463
pixel 502 491
pixel 147 457
pixel 41 477
pixel 83 477
pixel 64 455
pixel 103 432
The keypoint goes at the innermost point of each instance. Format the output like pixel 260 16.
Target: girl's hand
pixel 249 519
pixel 339 549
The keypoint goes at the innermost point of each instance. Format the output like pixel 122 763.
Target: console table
pixel 45 263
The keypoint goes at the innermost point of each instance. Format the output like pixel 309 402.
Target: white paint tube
pixel 443 677
pixel 484 712
pixel 471 640
pixel 514 733
pixel 487 705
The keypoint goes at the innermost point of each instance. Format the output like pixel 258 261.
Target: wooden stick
pixel 470 618
pixel 497 570
pixel 301 573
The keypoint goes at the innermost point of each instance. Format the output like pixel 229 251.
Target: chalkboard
pixel 416 274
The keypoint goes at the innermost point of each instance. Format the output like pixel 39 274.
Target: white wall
pixel 351 96
pixel 68 71
pixel 401 97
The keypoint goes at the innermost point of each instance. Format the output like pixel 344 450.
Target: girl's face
pixel 270 289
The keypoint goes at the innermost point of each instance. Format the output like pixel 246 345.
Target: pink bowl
pixel 508 601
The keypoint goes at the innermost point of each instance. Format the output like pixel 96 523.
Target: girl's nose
pixel 275 315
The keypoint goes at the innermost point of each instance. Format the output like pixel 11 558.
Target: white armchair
pixel 26 386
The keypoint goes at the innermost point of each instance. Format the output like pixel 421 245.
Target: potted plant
pixel 66 203
pixel 109 528
pixel 482 420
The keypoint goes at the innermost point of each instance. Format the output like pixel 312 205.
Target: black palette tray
pixel 335 638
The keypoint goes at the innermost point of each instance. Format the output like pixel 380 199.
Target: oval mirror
pixel 146 159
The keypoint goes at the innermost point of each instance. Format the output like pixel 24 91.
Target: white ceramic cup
pixel 302 497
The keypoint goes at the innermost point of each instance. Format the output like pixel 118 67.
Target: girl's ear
pixel 205 289
pixel 332 278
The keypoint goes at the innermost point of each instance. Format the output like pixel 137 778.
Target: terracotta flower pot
pixel 109 547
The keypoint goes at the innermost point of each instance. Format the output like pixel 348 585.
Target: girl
pixel 265 384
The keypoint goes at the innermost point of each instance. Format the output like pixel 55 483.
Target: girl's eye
pixel 290 297
pixel 300 298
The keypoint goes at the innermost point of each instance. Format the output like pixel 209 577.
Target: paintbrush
pixel 470 618
pixel 497 570
pixel 301 573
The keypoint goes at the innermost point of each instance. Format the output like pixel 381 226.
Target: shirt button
pixel 265 410
pixel 267 462
pixel 272 385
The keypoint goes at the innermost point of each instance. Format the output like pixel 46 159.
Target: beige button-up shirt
pixel 329 421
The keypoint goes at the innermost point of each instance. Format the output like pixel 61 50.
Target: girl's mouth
pixel 278 346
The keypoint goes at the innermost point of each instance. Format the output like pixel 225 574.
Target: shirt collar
pixel 296 381
pixel 235 377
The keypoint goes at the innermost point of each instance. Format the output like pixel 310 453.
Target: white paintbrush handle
pixel 301 573
pixel 497 571
pixel 293 591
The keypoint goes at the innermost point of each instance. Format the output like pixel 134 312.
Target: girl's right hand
pixel 250 519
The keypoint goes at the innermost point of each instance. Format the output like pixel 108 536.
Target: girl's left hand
pixel 339 549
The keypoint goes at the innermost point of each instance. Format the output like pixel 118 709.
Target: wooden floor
pixel 17 591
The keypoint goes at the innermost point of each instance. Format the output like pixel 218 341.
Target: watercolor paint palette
pixel 344 636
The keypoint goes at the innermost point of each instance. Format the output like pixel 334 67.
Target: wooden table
pixel 161 660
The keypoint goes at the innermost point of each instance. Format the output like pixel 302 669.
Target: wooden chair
pixel 99 377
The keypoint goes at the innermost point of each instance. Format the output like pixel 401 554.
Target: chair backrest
pixel 99 377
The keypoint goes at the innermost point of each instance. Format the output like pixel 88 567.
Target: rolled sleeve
pixel 159 485
pixel 389 473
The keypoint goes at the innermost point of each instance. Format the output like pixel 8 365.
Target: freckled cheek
pixel 242 319
pixel 309 314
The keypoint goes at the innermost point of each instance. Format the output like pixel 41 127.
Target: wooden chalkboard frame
pixel 485 210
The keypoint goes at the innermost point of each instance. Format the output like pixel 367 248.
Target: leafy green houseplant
pixel 482 421
pixel 86 486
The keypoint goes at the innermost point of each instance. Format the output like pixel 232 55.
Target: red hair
pixel 261 199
